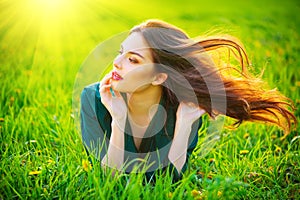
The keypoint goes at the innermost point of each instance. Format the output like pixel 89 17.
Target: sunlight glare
pixel 50 11
pixel 47 6
pixel 51 17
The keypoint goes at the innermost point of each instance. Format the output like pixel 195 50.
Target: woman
pixel 147 110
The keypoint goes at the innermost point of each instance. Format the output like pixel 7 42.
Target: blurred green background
pixel 43 45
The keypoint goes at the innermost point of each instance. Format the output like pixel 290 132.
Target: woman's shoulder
pixel 90 91
pixel 89 94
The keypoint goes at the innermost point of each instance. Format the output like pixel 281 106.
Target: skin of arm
pixel 115 104
pixel 186 114
pixel 115 153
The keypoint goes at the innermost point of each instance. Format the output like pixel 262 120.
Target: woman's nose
pixel 117 62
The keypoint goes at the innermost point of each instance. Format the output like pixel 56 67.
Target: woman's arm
pixel 94 137
pixel 117 108
pixel 115 153
pixel 186 114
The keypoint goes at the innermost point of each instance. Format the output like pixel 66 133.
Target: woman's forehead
pixel 135 42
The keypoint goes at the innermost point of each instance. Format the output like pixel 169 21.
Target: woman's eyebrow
pixel 135 53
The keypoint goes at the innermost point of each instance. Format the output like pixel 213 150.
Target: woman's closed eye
pixel 133 60
pixel 130 57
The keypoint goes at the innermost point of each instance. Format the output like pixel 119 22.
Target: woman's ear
pixel 160 78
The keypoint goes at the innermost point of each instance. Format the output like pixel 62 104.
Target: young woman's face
pixel 133 68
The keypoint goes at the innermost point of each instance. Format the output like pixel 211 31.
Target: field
pixel 43 47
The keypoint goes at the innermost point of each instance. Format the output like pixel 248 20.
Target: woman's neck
pixel 140 103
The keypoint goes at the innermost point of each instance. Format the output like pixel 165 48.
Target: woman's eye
pixel 132 60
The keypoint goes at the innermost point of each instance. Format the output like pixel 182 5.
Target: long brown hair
pixel 241 97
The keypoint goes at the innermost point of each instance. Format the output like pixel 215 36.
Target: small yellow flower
pixel 38 152
pixel 50 161
pixel 28 72
pixel 293 88
pixel 257 44
pixel 278 149
pixel 273 136
pixel 18 90
pixel 86 165
pixel 210 176
pixel 1 119
pixel 23 162
pixel 201 173
pixel 253 174
pixel 246 135
pixel 35 172
pixel 298 83
pixel 280 51
pixel 219 193
pixel 196 193
pixel 270 169
pixel 170 194
pixel 211 160
pixel 268 53
pixel 244 152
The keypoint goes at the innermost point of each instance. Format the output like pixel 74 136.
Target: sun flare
pixel 51 27
pixel 49 10
pixel 47 5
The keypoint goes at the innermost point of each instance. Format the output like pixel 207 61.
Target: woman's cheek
pixel 144 72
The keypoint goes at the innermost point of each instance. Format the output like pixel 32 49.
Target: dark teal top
pixel 157 140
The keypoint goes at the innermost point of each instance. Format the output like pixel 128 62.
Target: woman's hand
pixel 189 112
pixel 112 100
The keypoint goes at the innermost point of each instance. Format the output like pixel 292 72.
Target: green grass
pixel 39 63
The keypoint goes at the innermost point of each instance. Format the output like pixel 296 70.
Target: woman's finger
pixel 105 83
pixel 106 79
pixel 104 88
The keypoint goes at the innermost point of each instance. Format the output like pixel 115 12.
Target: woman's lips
pixel 115 76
